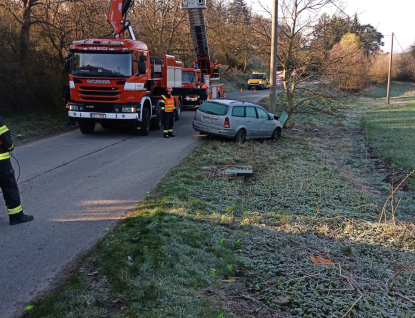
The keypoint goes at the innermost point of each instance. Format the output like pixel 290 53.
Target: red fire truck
pixel 192 77
pixel 113 80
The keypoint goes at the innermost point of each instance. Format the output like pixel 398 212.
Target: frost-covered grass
pixel 391 130
pixel 206 244
pixel 29 125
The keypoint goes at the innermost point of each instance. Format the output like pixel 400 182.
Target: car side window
pixel 262 114
pixel 250 112
pixel 238 111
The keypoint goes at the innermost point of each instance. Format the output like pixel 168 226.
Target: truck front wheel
pixel 87 127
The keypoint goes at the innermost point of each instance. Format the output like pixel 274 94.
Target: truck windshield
pixel 256 76
pixel 102 64
pixel 188 77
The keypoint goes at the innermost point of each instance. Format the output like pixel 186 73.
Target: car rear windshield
pixel 214 108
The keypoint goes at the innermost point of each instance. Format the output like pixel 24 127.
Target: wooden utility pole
pixel 273 70
pixel 390 72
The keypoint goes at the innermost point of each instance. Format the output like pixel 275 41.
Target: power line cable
pixel 398 42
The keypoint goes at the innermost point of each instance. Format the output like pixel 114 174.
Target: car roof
pixel 230 102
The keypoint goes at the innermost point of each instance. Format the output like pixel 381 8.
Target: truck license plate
pixel 97 115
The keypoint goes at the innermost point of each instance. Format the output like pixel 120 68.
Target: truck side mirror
pixel 141 67
pixel 68 63
pixel 68 66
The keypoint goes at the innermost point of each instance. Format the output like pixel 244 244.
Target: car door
pixel 266 126
pixel 238 117
pixel 252 121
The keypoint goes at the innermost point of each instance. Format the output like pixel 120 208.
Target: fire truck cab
pixel 113 80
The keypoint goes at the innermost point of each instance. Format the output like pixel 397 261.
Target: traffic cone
pixel 254 90
pixel 241 90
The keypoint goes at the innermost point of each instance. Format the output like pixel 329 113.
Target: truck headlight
pixel 73 107
pixel 129 109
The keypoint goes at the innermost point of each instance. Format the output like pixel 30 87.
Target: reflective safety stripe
pixel 15 210
pixel 4 156
pixel 10 147
pixel 170 130
pixel 169 103
pixel 162 102
pixel 3 129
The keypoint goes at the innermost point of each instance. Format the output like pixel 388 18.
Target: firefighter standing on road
pixel 167 107
pixel 8 182
pixel 216 67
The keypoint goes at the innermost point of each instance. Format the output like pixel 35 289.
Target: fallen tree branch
pixel 354 304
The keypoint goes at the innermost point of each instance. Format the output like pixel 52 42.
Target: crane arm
pixel 117 17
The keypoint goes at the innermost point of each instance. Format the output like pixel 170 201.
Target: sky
pixel 386 16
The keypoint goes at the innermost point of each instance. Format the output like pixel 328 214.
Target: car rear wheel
pixel 276 133
pixel 240 137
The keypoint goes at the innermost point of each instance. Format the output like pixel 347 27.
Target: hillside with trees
pixel 36 35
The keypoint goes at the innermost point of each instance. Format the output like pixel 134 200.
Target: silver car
pixel 236 120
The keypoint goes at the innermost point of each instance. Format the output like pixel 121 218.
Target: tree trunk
pixel 25 33
pixel 290 109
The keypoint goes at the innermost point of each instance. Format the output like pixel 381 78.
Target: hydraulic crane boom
pixel 117 18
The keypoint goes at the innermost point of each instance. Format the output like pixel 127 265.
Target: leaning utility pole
pixel 274 59
pixel 390 72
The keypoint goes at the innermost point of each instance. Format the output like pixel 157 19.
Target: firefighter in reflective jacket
pixel 167 107
pixel 8 182
pixel 216 67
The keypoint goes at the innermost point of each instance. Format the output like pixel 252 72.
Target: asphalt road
pixel 76 186
pixel 251 96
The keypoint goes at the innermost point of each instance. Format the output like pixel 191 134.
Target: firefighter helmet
pixel 169 89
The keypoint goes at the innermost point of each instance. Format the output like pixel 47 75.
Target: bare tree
pixel 22 12
pixel 162 25
pixel 296 57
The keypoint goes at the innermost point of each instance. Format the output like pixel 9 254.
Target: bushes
pixel 38 84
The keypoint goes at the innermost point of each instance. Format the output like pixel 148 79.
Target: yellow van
pixel 258 80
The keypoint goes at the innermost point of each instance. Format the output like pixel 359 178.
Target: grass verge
pixel 301 237
pixel 391 130
pixel 29 125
